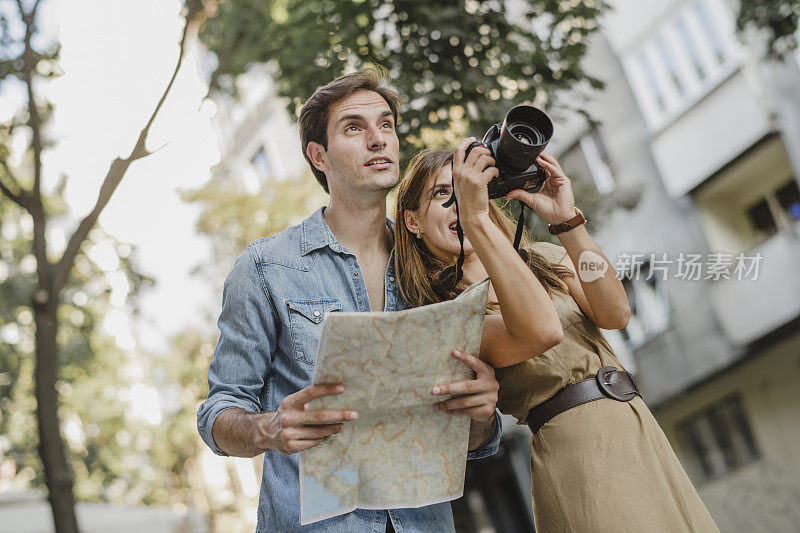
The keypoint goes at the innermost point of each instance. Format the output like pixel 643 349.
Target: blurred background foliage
pixel 455 59
pixel 459 64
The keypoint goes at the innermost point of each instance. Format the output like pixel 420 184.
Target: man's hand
pixel 293 428
pixel 476 398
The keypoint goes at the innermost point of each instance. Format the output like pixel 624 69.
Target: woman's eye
pixel 439 193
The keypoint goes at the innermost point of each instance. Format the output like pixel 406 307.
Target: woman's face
pixel 438 223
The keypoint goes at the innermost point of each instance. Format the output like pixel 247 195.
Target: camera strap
pixel 460 230
pixel 520 226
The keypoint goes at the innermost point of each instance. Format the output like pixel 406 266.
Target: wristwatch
pixel 567 225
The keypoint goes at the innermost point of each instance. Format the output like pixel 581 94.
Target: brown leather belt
pixel 610 382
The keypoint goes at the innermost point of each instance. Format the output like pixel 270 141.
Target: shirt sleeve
pixel 492 443
pixel 243 356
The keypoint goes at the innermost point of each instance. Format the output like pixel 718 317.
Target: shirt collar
pixel 317 234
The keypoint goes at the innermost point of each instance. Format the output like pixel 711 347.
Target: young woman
pixel 598 463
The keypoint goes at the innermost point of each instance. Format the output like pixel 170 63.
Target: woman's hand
pixel 470 179
pixel 555 203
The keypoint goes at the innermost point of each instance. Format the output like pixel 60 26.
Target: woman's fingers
pixel 475 156
pixel 521 195
pixel 461 150
pixel 549 158
pixel 551 167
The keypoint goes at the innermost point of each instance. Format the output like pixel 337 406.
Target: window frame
pixel 645 77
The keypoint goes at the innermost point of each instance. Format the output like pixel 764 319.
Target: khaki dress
pixel 605 465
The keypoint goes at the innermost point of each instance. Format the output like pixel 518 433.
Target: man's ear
pixel 318 156
pixel 412 220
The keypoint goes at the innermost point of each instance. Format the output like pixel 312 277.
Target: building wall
pixel 700 166
pixel 763 495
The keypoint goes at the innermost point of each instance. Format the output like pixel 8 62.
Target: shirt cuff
pixel 492 443
pixel 207 415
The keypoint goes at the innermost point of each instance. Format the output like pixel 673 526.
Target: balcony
pixel 749 309
pixel 720 128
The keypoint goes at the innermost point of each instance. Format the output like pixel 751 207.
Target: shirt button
pixel 391 278
pixel 316 313
pixel 355 274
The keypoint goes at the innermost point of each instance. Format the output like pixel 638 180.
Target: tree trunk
pixel 51 447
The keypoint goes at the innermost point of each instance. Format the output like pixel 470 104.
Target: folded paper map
pixel 400 452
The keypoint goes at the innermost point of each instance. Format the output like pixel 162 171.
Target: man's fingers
pixel 461 387
pixel 481 414
pixel 299 445
pixel 464 402
pixel 303 396
pixel 473 362
pixel 311 432
pixel 326 416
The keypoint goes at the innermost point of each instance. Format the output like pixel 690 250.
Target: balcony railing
pixel 751 308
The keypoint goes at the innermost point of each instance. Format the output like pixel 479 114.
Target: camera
pixel 515 144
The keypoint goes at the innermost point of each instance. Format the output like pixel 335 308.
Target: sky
pixel 117 58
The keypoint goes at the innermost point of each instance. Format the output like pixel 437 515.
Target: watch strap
pixel 567 225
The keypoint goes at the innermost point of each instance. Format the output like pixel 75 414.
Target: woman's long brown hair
pixel 424 278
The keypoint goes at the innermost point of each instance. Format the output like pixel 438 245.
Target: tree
pixel 474 58
pixel 24 61
pixel 778 19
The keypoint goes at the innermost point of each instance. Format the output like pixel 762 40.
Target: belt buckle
pixel 605 387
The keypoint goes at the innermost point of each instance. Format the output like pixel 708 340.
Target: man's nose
pixel 375 140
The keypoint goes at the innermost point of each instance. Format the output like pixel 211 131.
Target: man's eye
pixel 388 124
pixel 351 127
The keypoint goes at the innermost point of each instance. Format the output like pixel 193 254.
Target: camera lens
pixel 525 132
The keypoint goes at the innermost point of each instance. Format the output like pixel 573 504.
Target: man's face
pixel 363 148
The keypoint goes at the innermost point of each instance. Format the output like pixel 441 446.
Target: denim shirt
pixel 273 304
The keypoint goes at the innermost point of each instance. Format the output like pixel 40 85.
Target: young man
pixel 338 259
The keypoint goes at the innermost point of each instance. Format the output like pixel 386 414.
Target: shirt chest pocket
pixel 305 325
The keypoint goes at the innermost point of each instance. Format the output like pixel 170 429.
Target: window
pixel 596 155
pixel 712 31
pixel 719 439
pixel 761 218
pixel 669 61
pixel 685 58
pixel 649 303
pixel 687 42
pixel 789 199
pixel 261 165
pixel 776 209
pixel 588 161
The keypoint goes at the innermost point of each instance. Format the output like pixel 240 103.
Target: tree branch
pixel 20 198
pixel 22 10
pixel 34 118
pixel 16 198
pixel 34 199
pixel 119 166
